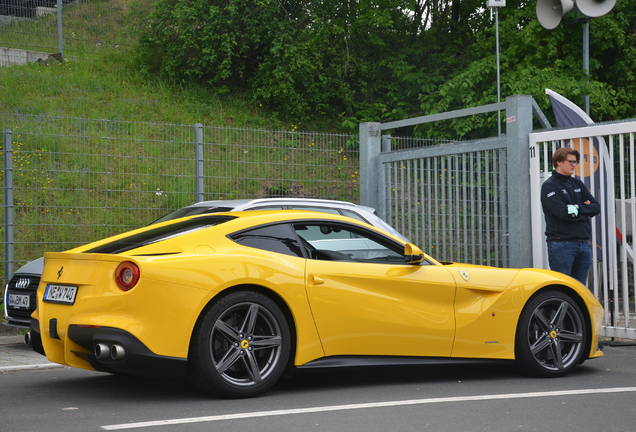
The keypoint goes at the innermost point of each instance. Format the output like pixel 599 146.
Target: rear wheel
pixel 551 335
pixel 241 347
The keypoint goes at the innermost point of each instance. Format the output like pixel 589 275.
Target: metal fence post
pixel 370 145
pixel 198 163
pixel 8 205
pixel 382 205
pixel 60 38
pixel 518 129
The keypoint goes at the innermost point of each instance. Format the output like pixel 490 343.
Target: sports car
pixel 233 300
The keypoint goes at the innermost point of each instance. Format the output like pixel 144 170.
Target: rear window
pixel 191 211
pixel 158 234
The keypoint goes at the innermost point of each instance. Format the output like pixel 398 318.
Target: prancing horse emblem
pixel 59 273
pixel 464 274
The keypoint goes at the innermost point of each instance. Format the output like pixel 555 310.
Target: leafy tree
pixel 380 60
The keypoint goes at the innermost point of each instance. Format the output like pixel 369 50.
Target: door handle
pixel 315 280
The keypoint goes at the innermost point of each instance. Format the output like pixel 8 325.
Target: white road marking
pixel 365 406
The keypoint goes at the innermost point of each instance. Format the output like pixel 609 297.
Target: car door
pixel 375 304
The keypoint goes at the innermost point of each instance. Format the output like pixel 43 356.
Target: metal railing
pixel 452 201
pixel 77 180
pixel 608 152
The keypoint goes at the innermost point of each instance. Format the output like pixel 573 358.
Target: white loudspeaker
pixel 550 12
pixel 594 8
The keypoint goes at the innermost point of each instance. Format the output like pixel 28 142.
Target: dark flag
pixel 566 113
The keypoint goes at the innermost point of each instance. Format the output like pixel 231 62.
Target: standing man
pixel 568 206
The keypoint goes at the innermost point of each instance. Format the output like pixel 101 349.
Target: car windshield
pixel 158 234
pixel 192 211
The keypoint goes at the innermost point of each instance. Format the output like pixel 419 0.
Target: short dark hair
pixel 562 154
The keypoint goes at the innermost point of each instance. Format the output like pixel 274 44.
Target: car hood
pixel 34 267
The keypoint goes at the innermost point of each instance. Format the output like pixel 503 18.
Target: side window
pixel 338 242
pixel 274 238
pixel 324 232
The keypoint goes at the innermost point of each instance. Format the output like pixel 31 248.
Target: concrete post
pixel 519 127
pixel 370 143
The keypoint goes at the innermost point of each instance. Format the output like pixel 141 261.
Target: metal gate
pixel 608 154
pixel 460 201
pixel 451 200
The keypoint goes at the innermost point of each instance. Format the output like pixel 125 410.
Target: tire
pixel 551 335
pixel 240 347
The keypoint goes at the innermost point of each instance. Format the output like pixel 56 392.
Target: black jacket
pixel 556 193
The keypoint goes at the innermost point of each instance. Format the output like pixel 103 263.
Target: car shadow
pixel 136 389
pixel 381 376
pixel 367 377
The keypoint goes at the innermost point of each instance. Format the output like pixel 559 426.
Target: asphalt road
pixel 600 395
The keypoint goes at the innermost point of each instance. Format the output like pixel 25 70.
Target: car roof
pixel 366 213
pixel 280 201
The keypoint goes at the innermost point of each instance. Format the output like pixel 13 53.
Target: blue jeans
pixel 572 258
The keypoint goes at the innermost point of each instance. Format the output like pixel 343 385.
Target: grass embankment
pixel 108 88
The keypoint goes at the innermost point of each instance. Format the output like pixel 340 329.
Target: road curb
pixel 30 367
pixel 16 356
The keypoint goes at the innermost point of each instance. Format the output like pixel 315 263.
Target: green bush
pixel 383 60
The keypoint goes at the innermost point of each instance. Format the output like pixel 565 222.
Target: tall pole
pixel 498 79
pixel 586 60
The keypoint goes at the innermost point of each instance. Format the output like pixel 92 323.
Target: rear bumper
pixel 36 337
pixel 138 360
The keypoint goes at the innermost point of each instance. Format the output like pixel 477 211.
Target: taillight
pixel 127 275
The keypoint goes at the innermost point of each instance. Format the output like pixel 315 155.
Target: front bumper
pixel 24 285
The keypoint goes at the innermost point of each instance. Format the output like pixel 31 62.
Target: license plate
pixel 63 294
pixel 19 301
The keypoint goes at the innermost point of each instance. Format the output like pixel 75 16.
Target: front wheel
pixel 241 346
pixel 551 335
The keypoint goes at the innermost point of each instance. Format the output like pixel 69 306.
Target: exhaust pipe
pixel 27 338
pixel 101 351
pixel 117 352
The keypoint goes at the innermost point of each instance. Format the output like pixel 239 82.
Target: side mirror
pixel 413 254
